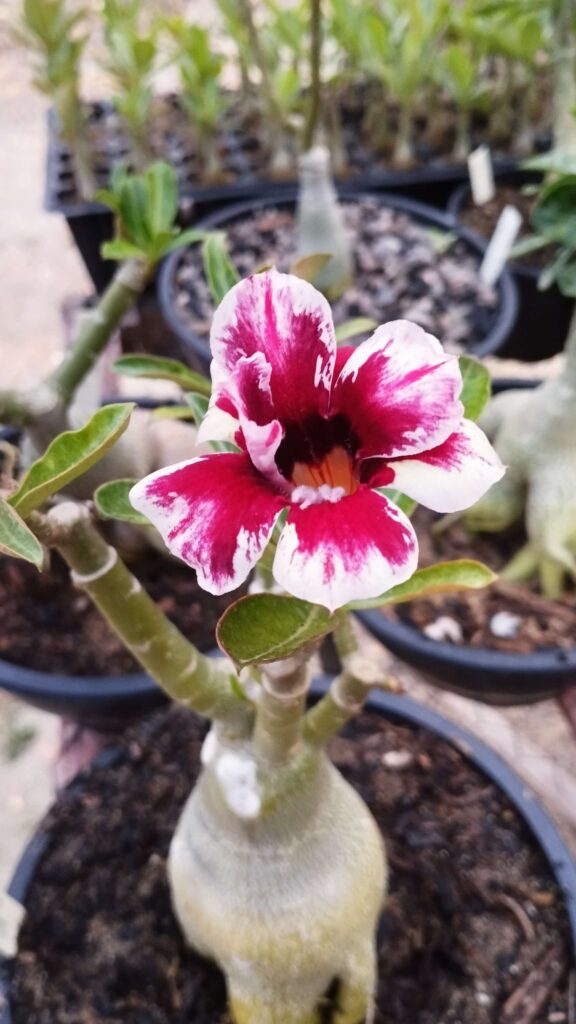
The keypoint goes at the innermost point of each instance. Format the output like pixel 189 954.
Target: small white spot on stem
pixel 237 775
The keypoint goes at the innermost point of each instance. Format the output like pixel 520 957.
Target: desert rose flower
pixel 320 432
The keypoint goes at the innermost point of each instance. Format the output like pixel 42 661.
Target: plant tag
pixel 11 917
pixel 481 175
pixel 500 245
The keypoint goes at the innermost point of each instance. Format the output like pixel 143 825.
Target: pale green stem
pixel 462 142
pixel 280 707
pixel 344 635
pixel 311 128
pixel 565 78
pixel 403 151
pixel 202 683
pixel 344 700
pixel 98 326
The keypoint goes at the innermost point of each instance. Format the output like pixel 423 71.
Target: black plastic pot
pixel 543 316
pixel 494 677
pixel 91 224
pixel 98 702
pixel 197 348
pixel 397 708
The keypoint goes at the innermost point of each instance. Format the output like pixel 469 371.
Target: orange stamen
pixel 335 469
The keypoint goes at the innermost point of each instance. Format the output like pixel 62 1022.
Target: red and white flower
pixel 319 432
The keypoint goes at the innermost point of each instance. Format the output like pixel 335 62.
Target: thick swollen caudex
pixel 278 874
pixel 534 432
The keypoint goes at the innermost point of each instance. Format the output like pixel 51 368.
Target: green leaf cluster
pixel 146 208
pixel 131 58
pixel 57 36
pixel 554 222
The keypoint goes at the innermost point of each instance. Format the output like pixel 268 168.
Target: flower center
pixel 329 479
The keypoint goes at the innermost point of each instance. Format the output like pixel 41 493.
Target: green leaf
pixel 188 237
pixel 475 386
pixel 69 456
pixel 269 627
pixel 16 538
pixel 528 244
pixel 351 328
pixel 308 267
pixel 198 404
pixel 120 249
pixel 159 368
pixel 112 502
pixel 402 501
pixel 463 574
pixel 220 272
pixel 173 412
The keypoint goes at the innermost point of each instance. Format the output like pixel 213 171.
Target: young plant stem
pixel 280 708
pixel 344 700
pixel 97 327
pixel 403 153
pixel 202 683
pixel 276 117
pixel 315 100
pixel 564 100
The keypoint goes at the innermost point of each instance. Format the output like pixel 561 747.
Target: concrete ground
pixel 39 271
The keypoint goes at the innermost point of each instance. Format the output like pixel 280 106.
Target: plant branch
pixel 315 103
pixel 99 324
pixel 280 707
pixel 15 410
pixel 202 683
pixel 344 700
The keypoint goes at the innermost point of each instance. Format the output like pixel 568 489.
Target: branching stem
pixel 203 683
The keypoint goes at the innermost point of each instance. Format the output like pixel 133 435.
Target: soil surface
pixel 474 929
pixel 48 625
pixel 504 616
pixel 483 219
pixel 403 269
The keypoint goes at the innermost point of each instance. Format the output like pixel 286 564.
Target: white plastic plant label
pixel 502 240
pixel 481 175
pixel 11 917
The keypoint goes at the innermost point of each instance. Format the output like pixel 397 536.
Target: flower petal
pixel 453 475
pixel 399 391
pixel 335 552
pixel 290 323
pixel 215 512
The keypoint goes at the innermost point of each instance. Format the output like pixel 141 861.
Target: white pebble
pixel 483 999
pixel 444 628
pixel 504 625
pixel 397 759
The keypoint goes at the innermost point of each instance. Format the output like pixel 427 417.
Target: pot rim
pixel 527 805
pixel 506 287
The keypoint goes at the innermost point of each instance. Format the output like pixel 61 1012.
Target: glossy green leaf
pixel 269 627
pixel 198 404
pixel 463 574
pixel 308 267
pixel 159 368
pixel 173 412
pixel 352 328
pixel 188 237
pixel 16 538
pixel 120 249
pixel 475 386
pixel 401 501
pixel 221 274
pixel 112 502
pixel 69 456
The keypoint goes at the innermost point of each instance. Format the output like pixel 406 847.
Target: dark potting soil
pixel 483 219
pixel 474 930
pixel 402 270
pixel 48 625
pixel 510 617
